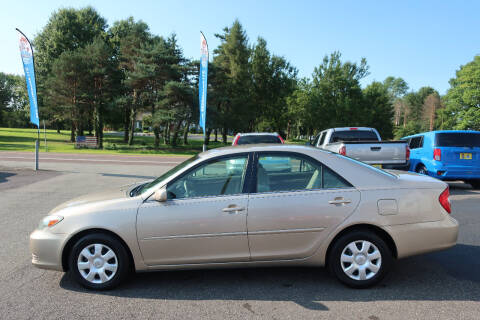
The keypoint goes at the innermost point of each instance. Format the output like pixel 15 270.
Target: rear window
pixel 458 139
pixel 258 139
pixel 353 135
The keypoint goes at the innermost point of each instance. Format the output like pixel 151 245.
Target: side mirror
pixel 160 195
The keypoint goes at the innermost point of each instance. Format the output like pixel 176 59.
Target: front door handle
pixel 339 201
pixel 233 209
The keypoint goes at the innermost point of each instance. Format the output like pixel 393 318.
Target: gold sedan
pixel 253 205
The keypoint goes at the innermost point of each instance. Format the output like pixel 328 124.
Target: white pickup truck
pixel 364 144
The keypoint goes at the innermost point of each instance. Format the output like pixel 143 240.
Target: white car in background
pixel 278 164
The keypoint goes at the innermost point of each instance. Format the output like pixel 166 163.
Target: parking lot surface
pixel 441 285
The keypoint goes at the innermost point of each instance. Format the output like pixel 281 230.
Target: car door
pixel 290 213
pixel 204 218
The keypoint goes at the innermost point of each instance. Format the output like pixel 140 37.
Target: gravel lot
pixel 442 285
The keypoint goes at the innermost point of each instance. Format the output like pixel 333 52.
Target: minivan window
pixel 416 142
pixel 353 135
pixel 458 139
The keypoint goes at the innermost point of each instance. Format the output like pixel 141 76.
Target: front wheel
pixel 360 259
pixel 99 261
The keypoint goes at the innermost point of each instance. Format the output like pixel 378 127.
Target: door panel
pixel 197 230
pixel 291 225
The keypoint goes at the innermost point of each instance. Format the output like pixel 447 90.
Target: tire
pixel 374 268
pixel 474 183
pixel 99 262
pixel 421 169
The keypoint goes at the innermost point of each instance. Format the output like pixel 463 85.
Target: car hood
pixel 91 199
pixel 99 197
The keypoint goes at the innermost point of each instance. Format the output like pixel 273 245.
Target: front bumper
pixel 46 249
pixel 417 238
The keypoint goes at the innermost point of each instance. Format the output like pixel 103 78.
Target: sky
pixel 423 42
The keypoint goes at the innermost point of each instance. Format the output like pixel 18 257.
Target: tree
pixel 67 29
pixel 379 107
pixel 233 80
pixel 103 79
pixel 463 98
pixel 430 106
pixel 66 88
pixel 337 94
pixel 273 80
pixel 128 37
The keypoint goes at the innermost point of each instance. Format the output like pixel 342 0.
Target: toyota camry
pixel 323 210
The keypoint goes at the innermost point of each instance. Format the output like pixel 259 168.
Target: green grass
pixel 13 139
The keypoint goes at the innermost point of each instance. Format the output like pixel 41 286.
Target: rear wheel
pixel 474 183
pixel 360 259
pixel 421 169
pixel 98 261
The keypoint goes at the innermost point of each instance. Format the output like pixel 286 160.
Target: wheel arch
pixel 384 235
pixel 71 242
pixel 420 163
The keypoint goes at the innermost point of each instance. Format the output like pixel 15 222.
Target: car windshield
pixel 458 139
pixel 354 135
pixel 258 139
pixel 141 189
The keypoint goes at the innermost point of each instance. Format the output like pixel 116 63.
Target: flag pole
pixel 203 75
pixel 29 68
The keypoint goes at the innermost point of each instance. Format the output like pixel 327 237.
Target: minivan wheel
pixel 98 261
pixel 474 183
pixel 360 259
pixel 421 169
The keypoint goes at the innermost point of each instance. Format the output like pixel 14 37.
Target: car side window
pixel 315 141
pixel 224 176
pixel 416 142
pixel 277 173
pixel 322 138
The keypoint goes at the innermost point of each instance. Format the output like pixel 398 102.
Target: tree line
pixel 91 76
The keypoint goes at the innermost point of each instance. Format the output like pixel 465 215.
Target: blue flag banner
pixel 26 53
pixel 202 81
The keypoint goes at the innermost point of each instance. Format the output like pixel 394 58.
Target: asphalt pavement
pixel 441 285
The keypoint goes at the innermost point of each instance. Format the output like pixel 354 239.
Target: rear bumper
pixel 46 249
pixel 403 167
pixel 450 172
pixel 418 238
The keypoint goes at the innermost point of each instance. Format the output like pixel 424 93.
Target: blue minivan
pixel 446 155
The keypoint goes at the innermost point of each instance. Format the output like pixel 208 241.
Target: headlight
pixel 49 221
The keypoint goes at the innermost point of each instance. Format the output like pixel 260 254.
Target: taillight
pixel 279 137
pixel 407 153
pixel 343 151
pixel 437 154
pixel 235 141
pixel 444 200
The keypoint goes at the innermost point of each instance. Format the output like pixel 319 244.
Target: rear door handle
pixel 375 148
pixel 339 200
pixel 233 209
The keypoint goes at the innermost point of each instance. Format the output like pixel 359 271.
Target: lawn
pixel 14 139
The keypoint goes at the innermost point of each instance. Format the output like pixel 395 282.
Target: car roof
pixel 350 128
pixel 439 131
pixel 258 134
pixel 260 147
